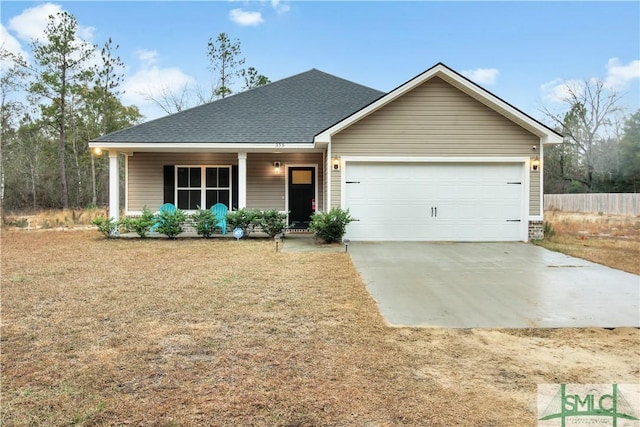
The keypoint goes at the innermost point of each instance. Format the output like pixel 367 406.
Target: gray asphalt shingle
pixel 291 110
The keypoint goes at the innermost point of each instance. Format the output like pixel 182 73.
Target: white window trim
pixel 203 181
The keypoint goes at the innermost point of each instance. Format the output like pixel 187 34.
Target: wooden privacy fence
pixel 607 203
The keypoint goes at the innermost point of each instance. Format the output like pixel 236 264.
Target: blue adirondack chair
pixel 167 207
pixel 220 213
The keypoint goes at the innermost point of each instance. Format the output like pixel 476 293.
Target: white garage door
pixel 436 202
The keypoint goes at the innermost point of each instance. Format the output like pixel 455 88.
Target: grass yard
pixel 223 333
pixel 606 239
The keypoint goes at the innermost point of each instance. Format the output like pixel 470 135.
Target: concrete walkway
pixel 305 242
pixel 493 285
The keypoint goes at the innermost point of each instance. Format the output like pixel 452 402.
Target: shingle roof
pixel 291 110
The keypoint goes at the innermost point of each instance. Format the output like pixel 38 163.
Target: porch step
pixel 299 231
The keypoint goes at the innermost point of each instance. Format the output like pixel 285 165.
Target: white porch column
pixel 329 177
pixel 114 186
pixel 242 180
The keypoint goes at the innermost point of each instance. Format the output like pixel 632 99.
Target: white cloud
pixel 10 43
pixel 485 76
pixel 245 18
pixel 154 81
pixel 86 33
pixel 150 80
pixel 147 57
pixel 31 23
pixel 559 90
pixel 279 7
pixel 619 75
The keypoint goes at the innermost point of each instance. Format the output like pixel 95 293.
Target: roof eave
pixel 551 139
pixel 440 70
pixel 191 147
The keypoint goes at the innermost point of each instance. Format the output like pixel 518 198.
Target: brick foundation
pixel 536 230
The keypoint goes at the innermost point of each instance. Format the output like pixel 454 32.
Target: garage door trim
pixel 523 161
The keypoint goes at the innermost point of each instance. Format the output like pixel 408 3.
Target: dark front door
pixel 302 193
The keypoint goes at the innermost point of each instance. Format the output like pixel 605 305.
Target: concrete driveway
pixel 493 285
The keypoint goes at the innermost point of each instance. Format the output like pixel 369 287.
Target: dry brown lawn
pixel 199 332
pixel 53 218
pixel 606 239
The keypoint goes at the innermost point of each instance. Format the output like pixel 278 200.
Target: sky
pixel 523 52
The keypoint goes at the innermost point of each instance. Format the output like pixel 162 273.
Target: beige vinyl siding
pixel 534 193
pixel 145 174
pixel 336 177
pixel 265 189
pixel 435 120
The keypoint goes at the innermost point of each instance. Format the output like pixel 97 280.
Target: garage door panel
pixel 470 202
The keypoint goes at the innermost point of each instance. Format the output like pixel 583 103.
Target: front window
pixel 202 186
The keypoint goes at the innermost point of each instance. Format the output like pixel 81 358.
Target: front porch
pixel 291 182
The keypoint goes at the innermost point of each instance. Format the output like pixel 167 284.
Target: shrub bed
pixel 271 222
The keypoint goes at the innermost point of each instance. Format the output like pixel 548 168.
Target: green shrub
pixel 204 221
pixel 140 225
pixel 109 227
pixel 548 230
pixel 171 223
pixel 272 222
pixel 21 223
pixel 246 219
pixel 330 226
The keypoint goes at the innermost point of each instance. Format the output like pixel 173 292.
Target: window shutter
pixel 169 182
pixel 234 187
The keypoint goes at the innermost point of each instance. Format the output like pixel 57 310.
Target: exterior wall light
pixel 97 151
pixel 336 164
pixel 276 167
pixel 535 165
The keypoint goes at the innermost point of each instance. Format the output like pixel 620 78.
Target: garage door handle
pixel 513 220
pixel 434 211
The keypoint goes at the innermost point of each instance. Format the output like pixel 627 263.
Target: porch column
pixel 114 186
pixel 242 180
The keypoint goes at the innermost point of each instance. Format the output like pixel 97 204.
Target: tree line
pixel 601 148
pixel 69 93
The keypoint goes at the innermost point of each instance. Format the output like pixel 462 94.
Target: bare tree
pixel 586 126
pixel 170 100
pixel 225 62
